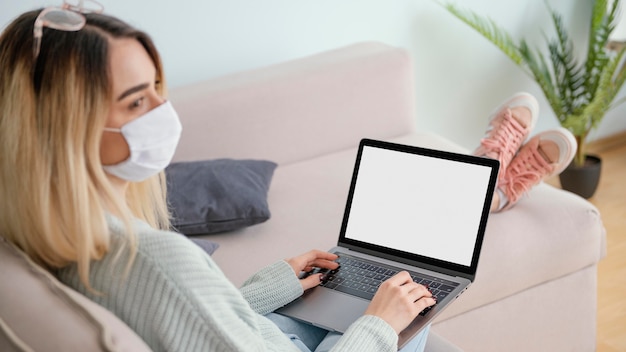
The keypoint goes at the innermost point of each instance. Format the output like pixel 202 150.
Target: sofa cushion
pixel 38 313
pixel 221 195
pixel 299 109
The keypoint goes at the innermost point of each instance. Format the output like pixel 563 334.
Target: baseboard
pixel 606 143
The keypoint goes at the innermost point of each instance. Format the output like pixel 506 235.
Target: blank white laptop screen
pixel 418 204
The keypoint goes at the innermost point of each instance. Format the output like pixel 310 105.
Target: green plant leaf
pixel 489 30
pixel 537 64
pixel 609 84
pixel 568 74
pixel 601 26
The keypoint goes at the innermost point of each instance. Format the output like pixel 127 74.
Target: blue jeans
pixel 309 338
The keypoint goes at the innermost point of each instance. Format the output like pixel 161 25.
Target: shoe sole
pixel 522 99
pixel 566 142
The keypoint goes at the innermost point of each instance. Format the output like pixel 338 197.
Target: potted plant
pixel 579 92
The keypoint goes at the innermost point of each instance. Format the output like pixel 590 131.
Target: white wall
pixel 460 77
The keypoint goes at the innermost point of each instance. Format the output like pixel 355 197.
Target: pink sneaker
pixel 505 133
pixel 532 164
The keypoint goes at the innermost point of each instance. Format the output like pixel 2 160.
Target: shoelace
pixel 526 170
pixel 504 141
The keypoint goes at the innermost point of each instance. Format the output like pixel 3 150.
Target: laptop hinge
pixel 440 269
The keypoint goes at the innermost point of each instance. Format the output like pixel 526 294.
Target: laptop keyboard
pixel 361 278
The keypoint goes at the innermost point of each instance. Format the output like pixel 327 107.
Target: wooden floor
pixel 610 198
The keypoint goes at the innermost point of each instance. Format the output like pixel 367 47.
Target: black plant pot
pixel 582 180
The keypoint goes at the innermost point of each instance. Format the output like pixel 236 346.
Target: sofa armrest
pixel 39 313
pixel 299 109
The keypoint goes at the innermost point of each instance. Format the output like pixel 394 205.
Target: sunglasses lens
pixel 64 20
pixel 69 17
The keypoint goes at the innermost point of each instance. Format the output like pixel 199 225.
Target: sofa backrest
pixel 38 313
pixel 299 109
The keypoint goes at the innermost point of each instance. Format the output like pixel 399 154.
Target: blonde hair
pixel 54 194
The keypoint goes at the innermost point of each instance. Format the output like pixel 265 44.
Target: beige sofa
pixel 536 285
pixel 536 282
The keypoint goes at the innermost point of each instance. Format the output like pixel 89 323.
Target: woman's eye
pixel 137 103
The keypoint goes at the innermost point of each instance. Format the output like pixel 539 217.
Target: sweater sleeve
pixel 368 333
pixel 176 299
pixel 276 285
pixel 271 288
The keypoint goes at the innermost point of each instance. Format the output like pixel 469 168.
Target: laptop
pixel 408 208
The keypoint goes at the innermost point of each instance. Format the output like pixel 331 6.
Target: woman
pixel 86 133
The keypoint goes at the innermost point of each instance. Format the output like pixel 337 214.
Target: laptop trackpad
pixel 326 308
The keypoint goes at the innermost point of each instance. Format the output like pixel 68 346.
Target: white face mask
pixel 152 139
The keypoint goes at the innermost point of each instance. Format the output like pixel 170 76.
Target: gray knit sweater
pixel 177 299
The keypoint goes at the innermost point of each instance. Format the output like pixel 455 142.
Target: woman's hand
pixel 399 300
pixel 310 260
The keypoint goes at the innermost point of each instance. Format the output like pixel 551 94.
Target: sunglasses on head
pixel 69 17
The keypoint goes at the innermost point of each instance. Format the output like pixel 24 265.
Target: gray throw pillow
pixel 219 195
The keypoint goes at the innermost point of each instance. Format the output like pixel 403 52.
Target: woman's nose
pixel 156 100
